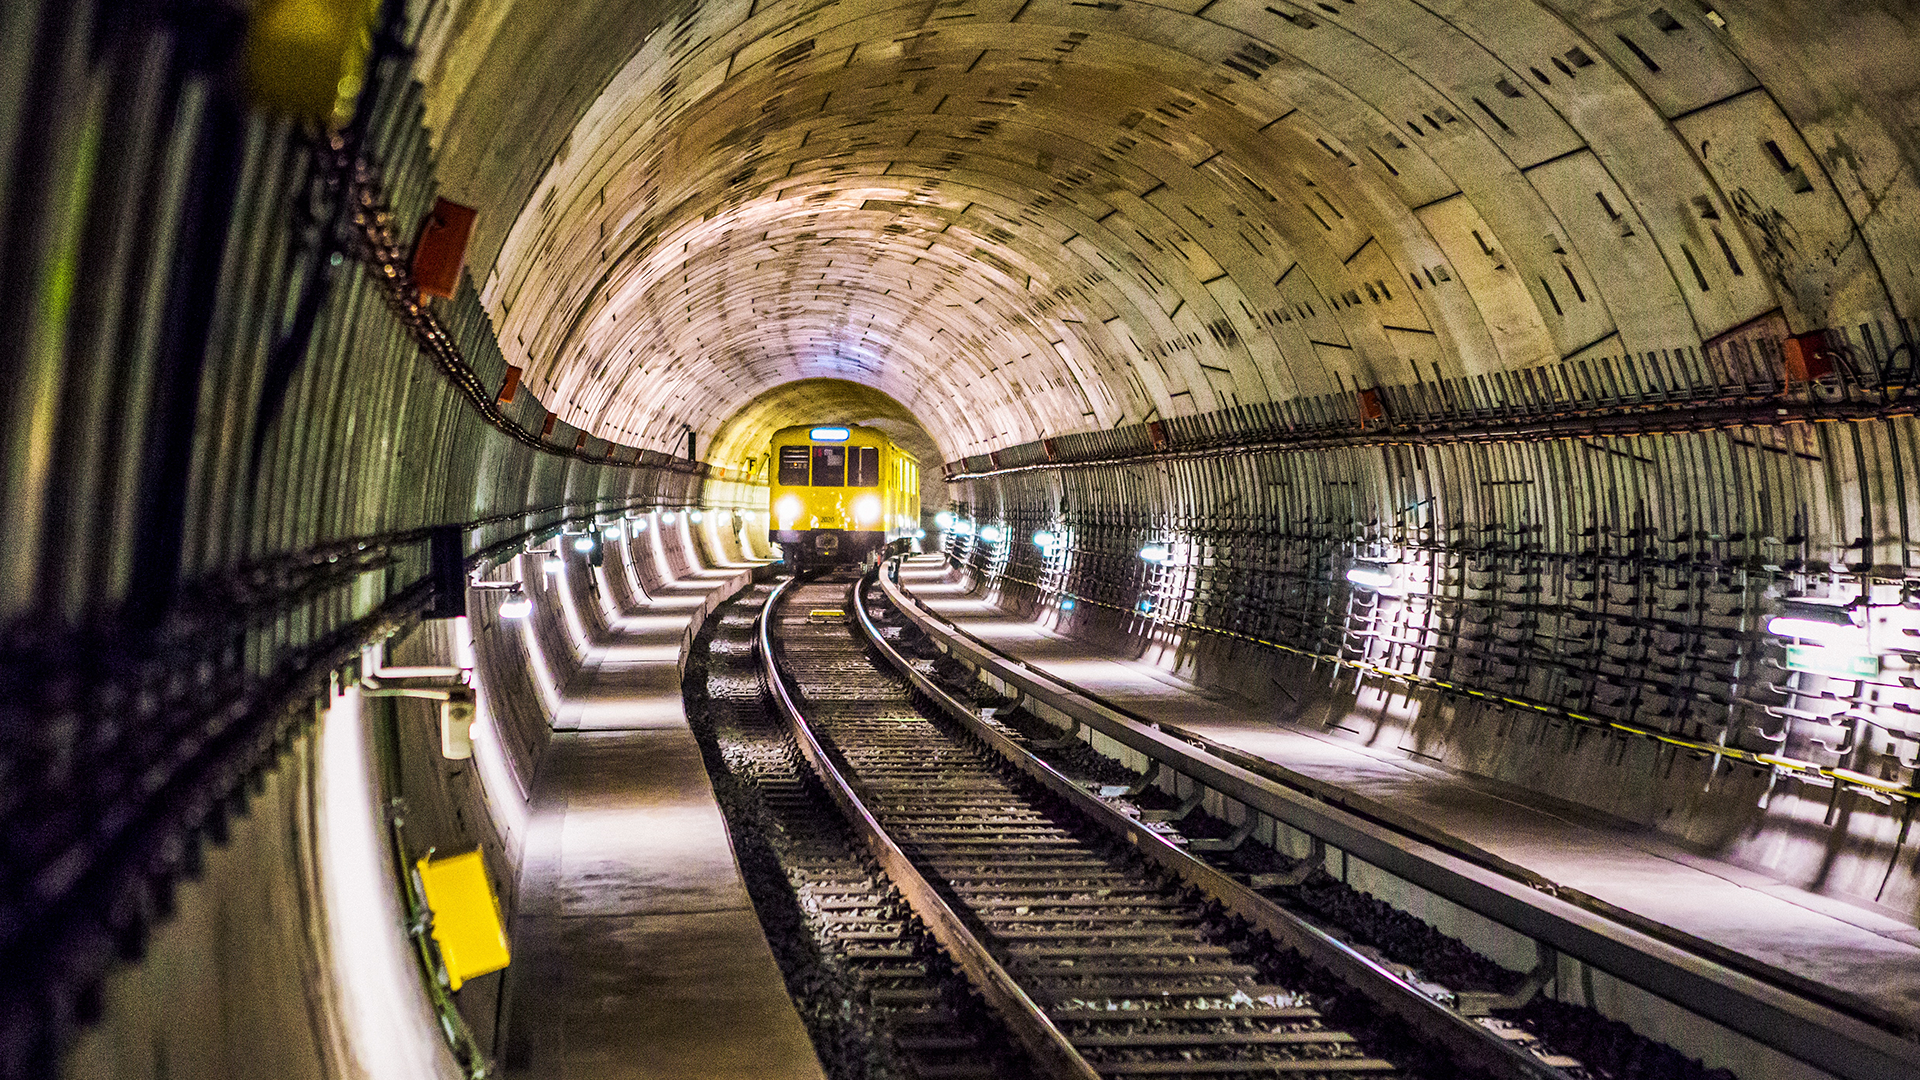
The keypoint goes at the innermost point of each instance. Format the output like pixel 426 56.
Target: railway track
pixel 878 998
pixel 1104 959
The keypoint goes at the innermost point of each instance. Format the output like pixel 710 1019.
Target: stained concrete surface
pixel 638 953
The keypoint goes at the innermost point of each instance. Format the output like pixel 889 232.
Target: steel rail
pixel 1823 1035
pixel 1051 1051
pixel 1471 1043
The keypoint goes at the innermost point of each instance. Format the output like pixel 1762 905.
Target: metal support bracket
pixel 1481 1003
pixel 1315 859
pixel 1128 791
pixel 1179 813
pixel 1229 842
pixel 1071 737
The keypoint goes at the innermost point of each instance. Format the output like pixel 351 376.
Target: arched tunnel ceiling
pixel 743 438
pixel 1022 218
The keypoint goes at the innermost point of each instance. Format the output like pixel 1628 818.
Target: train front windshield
pixel 793 466
pixel 829 466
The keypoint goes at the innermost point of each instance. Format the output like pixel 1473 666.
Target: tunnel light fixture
pixel 991 534
pixel 943 520
pixel 554 565
pixel 668 518
pixel 1157 554
pixel 829 434
pixel 612 532
pixel 696 517
pixel 919 534
pixel 516 606
pixel 1045 541
pixel 962 527
pixel 1369 574
pixel 1821 624
pixel 638 526
pixel 584 543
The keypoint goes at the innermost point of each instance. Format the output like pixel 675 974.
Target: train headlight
pixel 787 509
pixel 866 509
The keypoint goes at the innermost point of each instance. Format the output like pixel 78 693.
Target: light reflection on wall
pixel 390 1028
pixel 660 562
pixel 505 789
pixel 1056 560
pixel 1164 586
pixel 576 629
pixel 1388 609
pixel 542 671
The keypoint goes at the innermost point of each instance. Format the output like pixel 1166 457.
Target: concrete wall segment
pixel 204 985
pixel 249 516
pixel 1258 538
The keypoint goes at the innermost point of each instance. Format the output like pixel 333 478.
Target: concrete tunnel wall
pixel 1543 593
pixel 226 455
pixel 1169 247
pixel 285 953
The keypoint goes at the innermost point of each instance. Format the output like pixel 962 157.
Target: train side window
pixel 829 466
pixel 864 462
pixel 793 466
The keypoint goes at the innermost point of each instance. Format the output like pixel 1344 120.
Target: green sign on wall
pixel 1839 663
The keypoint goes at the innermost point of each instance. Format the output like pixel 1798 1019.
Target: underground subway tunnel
pixel 1434 472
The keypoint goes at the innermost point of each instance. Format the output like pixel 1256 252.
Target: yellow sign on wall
pixel 466 918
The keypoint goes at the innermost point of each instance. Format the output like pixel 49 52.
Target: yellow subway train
pixel 839 494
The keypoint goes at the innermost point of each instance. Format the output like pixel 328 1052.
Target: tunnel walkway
pixel 639 952
pixel 1839 950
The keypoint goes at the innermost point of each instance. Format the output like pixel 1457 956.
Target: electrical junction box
pixel 442 248
pixel 466 918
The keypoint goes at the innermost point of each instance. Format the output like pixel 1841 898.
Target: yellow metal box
pixel 466 918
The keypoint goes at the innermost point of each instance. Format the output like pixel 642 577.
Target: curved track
pixel 1103 963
